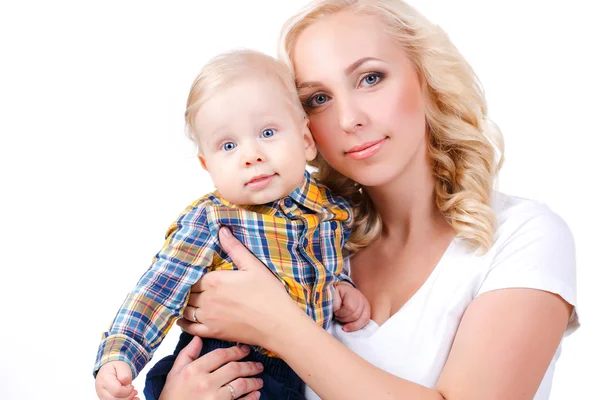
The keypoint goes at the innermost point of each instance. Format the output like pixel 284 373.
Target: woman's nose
pixel 351 118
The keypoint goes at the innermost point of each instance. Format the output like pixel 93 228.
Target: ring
pixel 194 315
pixel 231 391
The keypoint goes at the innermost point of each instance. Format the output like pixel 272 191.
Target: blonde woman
pixel 471 290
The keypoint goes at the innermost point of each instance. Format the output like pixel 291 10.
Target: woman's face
pixel 363 98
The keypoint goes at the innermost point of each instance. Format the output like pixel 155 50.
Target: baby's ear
pixel 202 162
pixel 310 147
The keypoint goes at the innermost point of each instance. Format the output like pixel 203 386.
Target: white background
pixel 94 164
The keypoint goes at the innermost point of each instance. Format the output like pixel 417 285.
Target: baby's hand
pixel 351 307
pixel 113 382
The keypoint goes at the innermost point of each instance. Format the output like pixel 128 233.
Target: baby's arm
pixel 150 310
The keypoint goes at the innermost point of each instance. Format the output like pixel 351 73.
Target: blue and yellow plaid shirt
pixel 300 238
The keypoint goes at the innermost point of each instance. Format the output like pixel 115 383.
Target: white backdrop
pixel 95 165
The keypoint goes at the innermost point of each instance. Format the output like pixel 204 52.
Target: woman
pixel 471 291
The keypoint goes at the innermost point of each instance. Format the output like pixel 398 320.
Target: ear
pixel 202 162
pixel 310 148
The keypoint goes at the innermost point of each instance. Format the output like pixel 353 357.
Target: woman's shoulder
pixel 527 219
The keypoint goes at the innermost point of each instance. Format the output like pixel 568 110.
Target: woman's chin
pixel 374 176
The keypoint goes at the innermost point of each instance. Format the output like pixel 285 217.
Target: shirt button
pixel 333 226
pixel 287 202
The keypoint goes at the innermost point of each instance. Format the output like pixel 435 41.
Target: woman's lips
pixel 365 150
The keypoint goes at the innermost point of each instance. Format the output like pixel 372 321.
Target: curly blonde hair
pixel 465 148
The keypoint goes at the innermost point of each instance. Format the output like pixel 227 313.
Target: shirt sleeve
pixel 159 297
pixel 538 253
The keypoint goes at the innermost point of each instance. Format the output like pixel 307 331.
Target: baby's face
pixel 254 145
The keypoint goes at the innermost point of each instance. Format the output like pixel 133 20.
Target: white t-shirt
pixel 533 248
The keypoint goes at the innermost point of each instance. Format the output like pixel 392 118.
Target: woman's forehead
pixel 334 43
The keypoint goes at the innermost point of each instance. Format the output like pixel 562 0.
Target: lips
pixel 364 146
pixel 259 178
pixel 366 150
pixel 259 181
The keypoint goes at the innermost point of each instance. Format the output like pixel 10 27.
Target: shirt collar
pixel 308 194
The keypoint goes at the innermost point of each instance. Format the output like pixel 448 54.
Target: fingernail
pixel 259 380
pixel 245 348
pixel 259 366
pixel 258 395
pixel 225 231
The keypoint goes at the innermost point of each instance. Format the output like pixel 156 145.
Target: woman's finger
pixel 196 329
pixel 240 255
pixel 233 370
pixel 189 313
pixel 251 396
pixel 187 355
pixel 193 314
pixel 241 387
pixel 194 300
pixel 219 357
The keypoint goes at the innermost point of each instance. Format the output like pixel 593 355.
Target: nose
pixel 351 117
pixel 252 156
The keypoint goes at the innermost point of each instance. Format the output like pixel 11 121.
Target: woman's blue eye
pixel 229 146
pixel 267 133
pixel 318 100
pixel 370 79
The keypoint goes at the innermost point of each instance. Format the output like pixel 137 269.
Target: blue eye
pixel 229 146
pixel 318 100
pixel 371 79
pixel 267 133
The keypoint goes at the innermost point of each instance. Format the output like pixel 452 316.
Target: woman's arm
pixel 486 362
pixel 504 345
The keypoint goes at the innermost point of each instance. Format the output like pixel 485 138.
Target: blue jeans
pixel 280 382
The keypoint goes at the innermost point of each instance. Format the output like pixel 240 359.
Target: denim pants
pixel 280 382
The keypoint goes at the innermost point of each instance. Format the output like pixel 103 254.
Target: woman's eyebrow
pixel 348 70
pixel 352 67
pixel 307 85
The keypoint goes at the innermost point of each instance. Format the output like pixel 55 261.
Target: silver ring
pixel 231 391
pixel 194 315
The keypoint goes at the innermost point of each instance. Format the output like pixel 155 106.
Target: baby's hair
pixel 227 68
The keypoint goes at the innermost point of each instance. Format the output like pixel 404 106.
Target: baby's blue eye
pixel 229 146
pixel 267 133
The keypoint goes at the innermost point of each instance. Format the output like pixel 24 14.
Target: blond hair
pixel 465 147
pixel 225 69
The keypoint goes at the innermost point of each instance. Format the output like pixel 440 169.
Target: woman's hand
pixel 214 376
pixel 245 306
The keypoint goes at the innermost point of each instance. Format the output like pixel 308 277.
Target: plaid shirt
pixel 300 238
